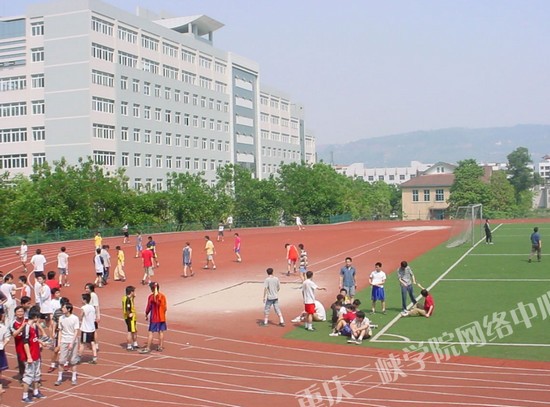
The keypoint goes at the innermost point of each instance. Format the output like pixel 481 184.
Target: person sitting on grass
pixel 320 314
pixel 336 306
pixel 360 329
pixel 342 326
pixel 423 310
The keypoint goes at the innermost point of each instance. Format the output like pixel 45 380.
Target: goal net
pixel 467 223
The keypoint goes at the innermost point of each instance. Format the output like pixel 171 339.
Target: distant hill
pixel 486 145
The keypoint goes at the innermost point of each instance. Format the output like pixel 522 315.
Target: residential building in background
pixel 148 93
pixel 389 175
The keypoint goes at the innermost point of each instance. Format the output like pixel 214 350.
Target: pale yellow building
pixel 425 196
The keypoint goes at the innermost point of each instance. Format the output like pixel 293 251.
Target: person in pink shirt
pixel 237 247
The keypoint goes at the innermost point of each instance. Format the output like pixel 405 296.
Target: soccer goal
pixel 467 225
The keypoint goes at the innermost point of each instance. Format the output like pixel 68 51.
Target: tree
pixel 521 174
pixel 468 186
pixel 502 202
pixel 190 199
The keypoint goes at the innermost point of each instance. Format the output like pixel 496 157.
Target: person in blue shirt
pixel 536 244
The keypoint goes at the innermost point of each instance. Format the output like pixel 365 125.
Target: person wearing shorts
pixel 139 244
pixel 291 257
pixel 237 247
pixel 32 357
pixel 130 317
pixel 303 262
pixel 377 279
pixel 221 227
pixel 308 294
pixel 63 267
pixel 347 278
pixel 210 252
pixel 69 328
pixel 23 254
pixel 187 260
pixel 147 256
pixel 271 298
pixel 155 313
pixel 87 327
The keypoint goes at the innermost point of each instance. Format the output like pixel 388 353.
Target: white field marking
pixel 497 369
pixel 534 345
pixel 441 277
pixel 404 338
pixel 405 388
pixel 67 393
pixel 516 280
pixel 378 247
pixel 418 228
pixel 504 254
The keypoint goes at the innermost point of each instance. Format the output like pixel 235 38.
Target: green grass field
pixel 489 295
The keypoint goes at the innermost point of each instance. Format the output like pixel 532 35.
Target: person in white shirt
pixel 44 295
pixel 377 279
pixel 319 316
pixel 23 253
pixel 69 328
pixel 87 327
pixel 63 267
pixel 38 262
pixel 8 289
pixel 308 294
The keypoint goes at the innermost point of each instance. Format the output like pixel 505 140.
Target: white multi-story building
pixel 148 93
pixel 389 175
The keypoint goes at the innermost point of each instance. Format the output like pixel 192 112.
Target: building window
pixel 415 195
pixel 147 137
pixel 103 105
pixel 104 157
pixel 38 133
pixel 37 81
pixel 123 82
pixel 13 83
pixel 137 135
pixel 158 114
pixel 135 110
pixel 150 66
pixel 137 160
pixel 125 161
pixel 158 161
pixel 13 109
pixel 402 177
pixel 147 112
pixel 168 139
pixel 101 52
pixel 13 135
pixel 38 107
pixel 426 195
pixel 146 88
pixel 127 35
pixel 103 131
pixel 124 134
pixel 158 138
pixel 149 43
pixel 188 56
pixel 148 160
pixel 135 85
pixel 37 54
pixel 439 195
pixel 102 26
pixel 37 29
pixel 101 78
pixel 126 59
pixel 13 161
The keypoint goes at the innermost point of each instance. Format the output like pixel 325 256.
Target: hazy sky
pixel 368 68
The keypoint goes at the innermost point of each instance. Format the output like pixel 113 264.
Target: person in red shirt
pixel 427 310
pixel 292 257
pixel 156 314
pixel 31 345
pixel 52 281
pixel 147 256
pixel 17 333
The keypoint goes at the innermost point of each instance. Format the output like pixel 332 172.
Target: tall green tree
pixel 522 176
pixel 190 199
pixel 468 186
